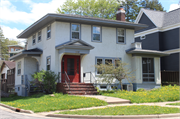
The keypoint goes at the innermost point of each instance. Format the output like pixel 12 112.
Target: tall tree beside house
pixel 93 8
pixel 108 72
pixel 3 46
pixel 107 8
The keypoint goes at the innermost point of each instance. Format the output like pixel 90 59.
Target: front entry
pixel 71 65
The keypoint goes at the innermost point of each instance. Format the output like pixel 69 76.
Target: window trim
pixel 18 68
pixel 47 64
pixel 47 32
pixel 34 36
pixel 103 61
pixel 124 36
pixel 71 31
pixel 39 35
pixel 100 34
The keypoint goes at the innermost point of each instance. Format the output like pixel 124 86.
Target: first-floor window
pixel 19 68
pixel 107 61
pixel 48 63
pixel 148 69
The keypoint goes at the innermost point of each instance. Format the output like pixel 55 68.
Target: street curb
pixel 17 109
pixel 115 117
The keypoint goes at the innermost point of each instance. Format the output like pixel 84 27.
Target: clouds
pixel 10 14
pixel 173 7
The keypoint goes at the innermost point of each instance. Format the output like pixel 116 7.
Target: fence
pixel 169 77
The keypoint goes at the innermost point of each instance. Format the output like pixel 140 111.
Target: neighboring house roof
pixel 160 18
pixel 9 64
pixel 49 18
pixel 15 46
pixel 15 52
pixel 31 52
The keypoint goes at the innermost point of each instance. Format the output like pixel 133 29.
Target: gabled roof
pixel 9 64
pixel 49 18
pixel 160 18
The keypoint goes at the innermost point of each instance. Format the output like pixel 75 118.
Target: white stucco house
pixel 75 44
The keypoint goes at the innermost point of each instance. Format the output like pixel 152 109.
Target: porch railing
pixel 90 78
pixel 67 80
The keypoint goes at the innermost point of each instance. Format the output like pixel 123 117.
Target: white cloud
pixel 11 33
pixel 38 10
pixel 173 7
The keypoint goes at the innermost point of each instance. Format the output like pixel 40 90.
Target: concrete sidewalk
pixel 109 100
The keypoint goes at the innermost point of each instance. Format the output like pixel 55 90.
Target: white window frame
pixel 76 31
pixel 96 33
pixel 121 36
pixel 39 35
pixel 34 39
pixel 49 57
pixel 19 68
pixel 48 31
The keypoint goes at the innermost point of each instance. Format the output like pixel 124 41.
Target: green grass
pixel 165 93
pixel 44 103
pixel 174 104
pixel 125 110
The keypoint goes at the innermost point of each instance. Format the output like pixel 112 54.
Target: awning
pixel 146 52
pixel 74 46
pixel 24 53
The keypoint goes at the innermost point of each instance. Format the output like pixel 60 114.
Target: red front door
pixel 71 65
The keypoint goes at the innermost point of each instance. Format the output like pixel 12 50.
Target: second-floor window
pixel 48 63
pixel 75 31
pixel 120 35
pixel 39 36
pixel 48 32
pixel 19 68
pixel 96 36
pixel 34 39
pixel 12 49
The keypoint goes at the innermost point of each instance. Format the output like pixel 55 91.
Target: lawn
pixel 165 93
pixel 174 104
pixel 125 110
pixel 44 103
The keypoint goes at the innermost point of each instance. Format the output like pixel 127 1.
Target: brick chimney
pixel 120 15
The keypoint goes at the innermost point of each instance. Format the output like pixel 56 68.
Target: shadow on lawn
pixel 15 97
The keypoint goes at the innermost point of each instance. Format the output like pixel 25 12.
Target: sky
pixel 17 15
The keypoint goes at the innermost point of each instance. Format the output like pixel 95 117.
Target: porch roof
pixel 142 52
pixel 31 52
pixel 74 46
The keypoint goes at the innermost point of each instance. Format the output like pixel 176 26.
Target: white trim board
pixel 172 51
pixel 150 31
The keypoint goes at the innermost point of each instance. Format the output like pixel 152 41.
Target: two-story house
pixel 73 45
pixel 14 49
pixel 162 34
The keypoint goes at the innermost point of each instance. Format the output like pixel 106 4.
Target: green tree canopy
pixel 107 8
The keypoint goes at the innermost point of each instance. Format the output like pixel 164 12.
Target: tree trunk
pixel 121 85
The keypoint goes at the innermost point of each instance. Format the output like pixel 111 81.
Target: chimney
pixel 120 15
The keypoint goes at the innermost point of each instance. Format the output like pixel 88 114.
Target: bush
pixel 45 81
pixel 141 90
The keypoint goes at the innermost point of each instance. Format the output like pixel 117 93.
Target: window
pixel 148 69
pixel 39 36
pixel 34 39
pixel 48 63
pixel 96 36
pixel 12 49
pixel 104 60
pixel 17 49
pixel 120 35
pixel 75 31
pixel 48 32
pixel 19 68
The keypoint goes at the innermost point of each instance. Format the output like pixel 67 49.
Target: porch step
pixel 77 89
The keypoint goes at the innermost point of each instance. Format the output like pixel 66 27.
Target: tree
pixel 93 8
pixel 3 46
pixel 109 72
pixel 133 7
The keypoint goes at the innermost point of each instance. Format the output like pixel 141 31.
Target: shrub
pixel 141 90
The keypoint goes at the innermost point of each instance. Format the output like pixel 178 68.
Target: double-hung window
pixel 19 68
pixel 39 36
pixel 96 33
pixel 120 35
pixel 75 31
pixel 48 63
pixel 34 39
pixel 48 32
pixel 99 62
